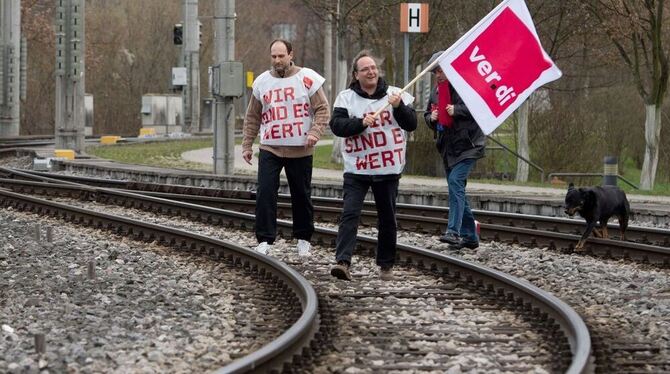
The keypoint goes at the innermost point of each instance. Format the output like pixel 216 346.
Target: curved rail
pixel 571 324
pixel 523 293
pixel 270 357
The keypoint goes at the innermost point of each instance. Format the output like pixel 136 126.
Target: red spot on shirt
pixel 307 82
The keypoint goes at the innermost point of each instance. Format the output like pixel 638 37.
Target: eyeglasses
pixel 367 69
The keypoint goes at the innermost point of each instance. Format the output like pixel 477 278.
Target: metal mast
pixel 224 130
pixel 11 56
pixel 70 82
pixel 191 61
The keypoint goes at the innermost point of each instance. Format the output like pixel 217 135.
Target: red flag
pixel 498 64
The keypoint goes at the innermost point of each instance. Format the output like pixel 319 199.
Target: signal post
pixel 70 82
pixel 12 67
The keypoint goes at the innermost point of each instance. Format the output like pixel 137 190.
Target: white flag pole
pixel 411 83
pixel 458 42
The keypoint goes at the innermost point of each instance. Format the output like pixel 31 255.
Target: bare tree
pixel 636 29
pixel 613 61
pixel 37 115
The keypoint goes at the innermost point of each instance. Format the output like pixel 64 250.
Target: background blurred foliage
pixel 593 111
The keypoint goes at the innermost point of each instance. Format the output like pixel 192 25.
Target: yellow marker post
pixel 67 154
pixel 250 78
pixel 110 139
pixel 147 132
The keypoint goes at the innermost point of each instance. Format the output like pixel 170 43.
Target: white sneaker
pixel 263 248
pixel 303 247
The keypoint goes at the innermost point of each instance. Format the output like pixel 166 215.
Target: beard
pixel 281 69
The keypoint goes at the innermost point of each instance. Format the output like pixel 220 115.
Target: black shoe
pixel 464 244
pixel 450 238
pixel 341 271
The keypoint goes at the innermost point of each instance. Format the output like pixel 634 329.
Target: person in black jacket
pixel 374 157
pixel 460 142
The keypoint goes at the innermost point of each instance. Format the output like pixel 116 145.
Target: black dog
pixel 597 205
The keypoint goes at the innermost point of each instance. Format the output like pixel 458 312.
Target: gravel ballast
pixel 147 309
pixel 620 300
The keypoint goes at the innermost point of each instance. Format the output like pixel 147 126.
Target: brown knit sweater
pixel 252 123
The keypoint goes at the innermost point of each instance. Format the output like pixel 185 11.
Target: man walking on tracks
pixel 290 110
pixel 460 142
pixel 374 157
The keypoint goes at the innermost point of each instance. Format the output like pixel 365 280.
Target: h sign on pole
pixel 413 17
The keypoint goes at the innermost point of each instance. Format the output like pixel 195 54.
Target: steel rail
pixel 128 185
pixel 25 141
pixel 272 356
pixel 511 288
pixel 222 198
pixel 520 291
pixel 511 231
pixel 24 144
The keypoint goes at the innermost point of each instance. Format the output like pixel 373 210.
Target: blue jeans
pixel 461 220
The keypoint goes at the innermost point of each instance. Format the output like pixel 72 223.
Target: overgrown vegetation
pixel 159 153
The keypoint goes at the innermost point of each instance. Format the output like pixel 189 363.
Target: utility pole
pixel 341 71
pixel 10 67
pixel 522 143
pixel 328 55
pixel 224 129
pixel 70 82
pixel 191 61
pixel 340 76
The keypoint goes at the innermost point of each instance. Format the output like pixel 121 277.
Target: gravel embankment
pixel 620 300
pixel 148 308
pixel 23 162
pixel 458 322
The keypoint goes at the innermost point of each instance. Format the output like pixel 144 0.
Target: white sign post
pixel 413 18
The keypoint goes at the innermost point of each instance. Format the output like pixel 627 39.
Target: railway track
pixel 277 277
pixel 448 279
pixel 26 141
pixel 650 245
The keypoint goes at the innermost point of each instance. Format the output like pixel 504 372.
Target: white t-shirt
pixel 286 115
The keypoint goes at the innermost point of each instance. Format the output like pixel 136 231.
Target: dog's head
pixel 574 200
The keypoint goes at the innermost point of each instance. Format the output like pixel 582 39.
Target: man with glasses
pixel 374 157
